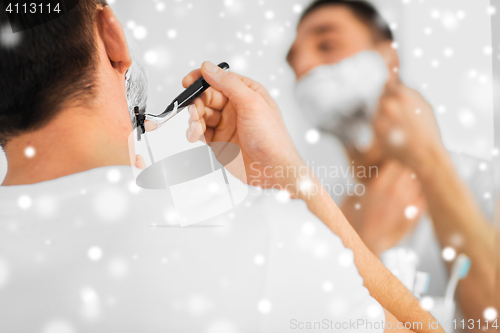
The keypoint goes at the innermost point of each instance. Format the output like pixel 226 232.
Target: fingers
pixel 202 122
pixel 209 135
pixel 393 88
pixel 389 106
pixel 214 99
pixel 197 73
pixel 191 77
pixel 139 162
pixel 198 111
pixel 206 137
pixel 230 84
pixel 196 130
pixel 208 116
pixel 211 97
pixel 150 126
pixel 226 84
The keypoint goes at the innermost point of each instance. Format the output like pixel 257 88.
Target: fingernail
pixel 191 109
pixel 211 67
pixel 193 126
pixel 189 133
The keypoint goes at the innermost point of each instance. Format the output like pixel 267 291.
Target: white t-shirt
pixel 92 252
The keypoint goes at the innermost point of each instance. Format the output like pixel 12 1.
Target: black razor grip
pixel 192 92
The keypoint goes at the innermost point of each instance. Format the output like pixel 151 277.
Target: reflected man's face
pixel 328 35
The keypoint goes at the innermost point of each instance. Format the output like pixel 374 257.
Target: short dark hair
pixel 50 65
pixel 363 10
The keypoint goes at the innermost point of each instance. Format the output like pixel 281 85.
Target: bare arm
pixel 239 110
pixel 453 210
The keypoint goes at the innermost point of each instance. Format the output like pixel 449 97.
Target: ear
pixel 113 37
pixel 391 58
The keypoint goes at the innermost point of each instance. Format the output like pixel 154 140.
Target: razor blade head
pixel 140 117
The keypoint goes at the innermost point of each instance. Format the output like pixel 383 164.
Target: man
pixel 340 41
pixel 76 250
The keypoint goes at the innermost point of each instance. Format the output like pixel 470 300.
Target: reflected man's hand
pixel 406 128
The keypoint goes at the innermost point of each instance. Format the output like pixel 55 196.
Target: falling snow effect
pixel 259 260
pixel 308 228
pixel 411 212
pixel 46 206
pixel 346 258
pixel 450 21
pixel 95 253
pixel 490 314
pixel 4 273
pixel 467 118
pixel 172 33
pixel 283 196
pixel 312 136
pixel 198 305
pixel 114 176
pixel 118 268
pixel 111 204
pixel 264 29
pixel 374 311
pixel 449 253
pixel 427 303
pixel 221 326
pixel 448 52
pixel 140 32
pixel 264 306
pixel 59 326
pixel 29 152
pixel 91 303
pixel 307 186
pixel 8 39
pixel 133 188
pixel 24 202
pixel 327 286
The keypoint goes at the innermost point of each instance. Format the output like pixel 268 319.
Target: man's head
pixel 332 30
pixel 76 62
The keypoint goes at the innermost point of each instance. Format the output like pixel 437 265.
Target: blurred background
pixel 446 49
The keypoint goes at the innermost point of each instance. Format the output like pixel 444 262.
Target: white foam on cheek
pixel 136 83
pixel 137 88
pixel 362 136
pixel 341 98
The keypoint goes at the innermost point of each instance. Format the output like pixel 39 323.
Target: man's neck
pixel 72 142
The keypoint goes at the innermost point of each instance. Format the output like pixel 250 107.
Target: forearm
pixel 381 283
pixel 459 223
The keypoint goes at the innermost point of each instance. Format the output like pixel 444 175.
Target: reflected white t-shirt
pixel 92 252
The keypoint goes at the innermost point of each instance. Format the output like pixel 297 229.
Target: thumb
pixel 229 84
